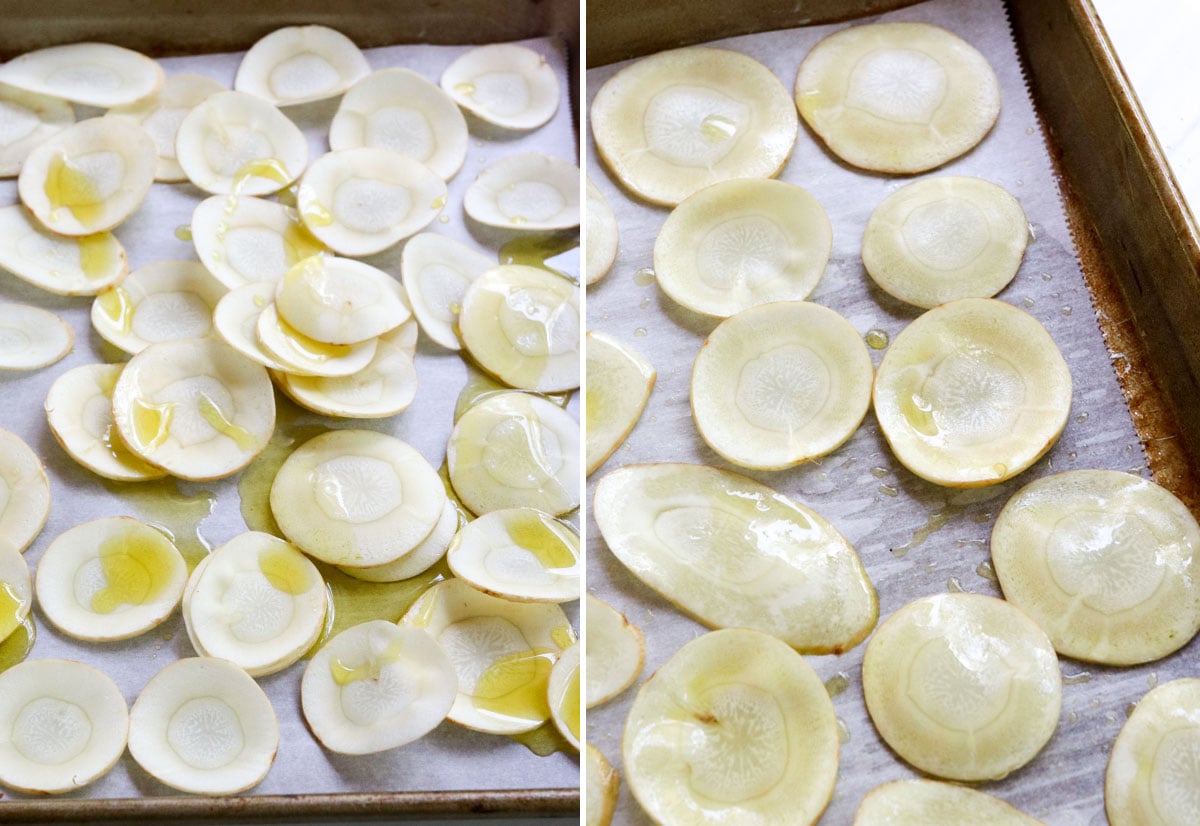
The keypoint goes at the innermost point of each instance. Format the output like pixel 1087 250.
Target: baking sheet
pixel 450 757
pixel 914 538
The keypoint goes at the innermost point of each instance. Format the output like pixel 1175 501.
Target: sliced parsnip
pixel 298 64
pixel 601 784
pixel 504 84
pixel 962 686
pixel 927 802
pixel 385 387
pixel 305 356
pixel 437 271
pixel 619 381
pixel 734 553
pixel 24 492
pixel 897 97
pixel 600 234
pixel 163 301
pixel 616 651
pixel 419 559
pixel 940 239
pixel 972 393
pixel 1107 563
pixel 514 450
pixel 161 113
pixel 94 74
pixel 735 726
pixel 62 725
pixel 250 239
pixel 235 318
pixel 27 119
pixel 16 589
pixel 502 652
pixel 31 338
pixel 202 725
pixel 779 384
pixel 339 300
pixel 528 191
pixel 398 109
pixel 67 265
pixel 565 697
pixel 678 121
pixel 520 554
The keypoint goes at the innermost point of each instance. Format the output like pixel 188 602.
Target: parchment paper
pixel 450 757
pixel 891 516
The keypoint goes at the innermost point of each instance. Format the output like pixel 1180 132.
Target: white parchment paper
pixel 914 538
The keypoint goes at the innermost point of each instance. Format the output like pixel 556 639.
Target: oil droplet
pixel 1073 718
pixel 97 254
pixel 1028 130
pixel 316 215
pixel 1027 302
pixel 178 515
pixel 535 250
pixel 1152 680
pixel 936 521
pixel 117 306
pixel 1047 277
pixel 465 88
pixel 1072 456
pixel 515 685
pixel 982 518
pixel 218 421
pixel 644 277
pixel 1110 718
pixel 930 567
pixel 445 219
pixel 1075 679
pixel 344 674
pixel 837 684
pixel 879 472
pixel 640 332
pixel 152 422
pixel 543 740
pixel 718 128
pixel 285 570
pixel 1129 709
pixel 877 339
pixel 954 586
pixel 10 610
pixel 183 232
pixel 1000 469
pixel 1065 310
pixel 1082 417
pixel 843 731
pixel 136 569
pixel 17 645
pixel 69 186
pixel 645 303
pixel 551 542
pixel 889 490
pixel 986 571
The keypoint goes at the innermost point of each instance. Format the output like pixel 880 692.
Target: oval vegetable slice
pixel 734 553
pixel 529 191
pixel 619 381
pixel 163 301
pixel 249 240
pixel 504 84
pixel 615 652
pixel 602 786
pixel 735 723
pixel 24 492
pixel 95 74
pixel 565 696
pixel 925 802
pixel 29 118
pixel 298 64
pixel 520 554
pixel 161 113
pixel 436 272
pixel 601 235
pixel 31 338
pixel 62 264
pixel 339 300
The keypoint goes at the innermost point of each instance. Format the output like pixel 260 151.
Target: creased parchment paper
pixel 450 757
pixel 914 538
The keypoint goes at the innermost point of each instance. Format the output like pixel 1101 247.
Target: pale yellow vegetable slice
pixel 419 559
pixel 565 696
pixel 1107 563
pixel 16 589
pixel 615 652
pixel 161 113
pixel 514 450
pixel 678 121
pixel 437 271
pixel 31 338
pixel 195 407
pixel 972 393
pixel 66 265
pixel 619 381
pixel 298 64
pixel 305 356
pixel 1153 774
pixel 734 553
pixel 377 686
pixel 502 652
pixel 520 554
pixel 250 239
pixel 600 234
pixel 504 84
pixel 780 384
pixel 930 802
pixel 398 109
pixel 601 785
pixel 95 74
pixel 385 387
pixel 24 492
pixel 736 726
pixel 962 686
pixel 339 300
pixel 62 725
pixel 89 177
pixel 235 318
pixel 163 301
pixel 357 498
pixel 897 97
pixel 110 579
pixel 940 239
pixel 521 324
pixel 528 191
pixel 202 725
pixel 27 119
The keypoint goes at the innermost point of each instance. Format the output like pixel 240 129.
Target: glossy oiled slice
pixel 1107 563
pixel 96 74
pixel 502 652
pixel 962 686
pixel 504 84
pixel 249 240
pixel 62 264
pixel 897 97
pixel 62 725
pixel 520 554
pixel 421 558
pixel 600 234
pixel 566 702
pixel 972 393
pixel 24 492
pixel 735 725
pixel 305 356
pixel 928 802
pixel 514 450
pixel 377 686
pixel 681 120
pixel 202 725
pixel 31 338
pixel 27 119
pixel 602 785
pixel 297 64
pixel 89 177
pixel 437 271
pixel 356 498
pixel 398 109
pixel 616 651
pixel 521 324
pixel 939 239
pixel 195 407
pixel 1153 773
pixel 235 318
pixel 619 381
pixel 734 553
pixel 161 113
pixel 16 589
pixel 740 243
pixel 780 384
pixel 339 300
pixel 163 301
pixel 530 191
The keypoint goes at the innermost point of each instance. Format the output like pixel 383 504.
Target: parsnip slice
pixel 529 191
pixel 678 121
pixel 95 74
pixel 734 553
pixel 202 725
pixel 897 97
pixel 340 301
pixel 616 652
pixel 31 338
pixel 63 725
pixel 298 64
pixel 779 384
pixel 28 118
pixel 385 387
pixel 962 686
pixel 741 243
pixel 419 559
pixel 502 652
pixel 600 234
pixel 601 784
pixel 305 356
pixel 972 393
pixel 250 239
pixel 437 271
pixel 735 726
pixel 566 703
pixel 16 589
pixel 619 381
pixel 1107 563
pixel 163 301
pixel 927 802
pixel 504 84
pixel 520 554
pixel 24 492
pixel 161 113
pixel 66 265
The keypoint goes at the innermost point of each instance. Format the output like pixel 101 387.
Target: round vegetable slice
pixel 95 74
pixel 31 338
pixel 897 97
pixel 698 536
pixel 29 118
pixel 619 381
pixel 64 724
pixel 962 686
pixel 163 301
pixel 385 387
pixel 298 64
pixel 436 272
pixel 602 786
pixel 530 191
pixel 601 233
pixel 356 498
pixel 520 554
pixel 249 240
pixel 735 723
pixel 339 300
pixel 16 589
pixel 514 450
pixel 504 84
pixel 202 725
pixel 377 686
pixel 923 802
pixel 741 243
pixel 419 559
pixel 972 393
pixel 678 121
pixel 24 492
pixel 779 384
pixel 305 356
pixel 565 700
pixel 1105 562
pixel 616 652
pixel 161 113
pixel 62 264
